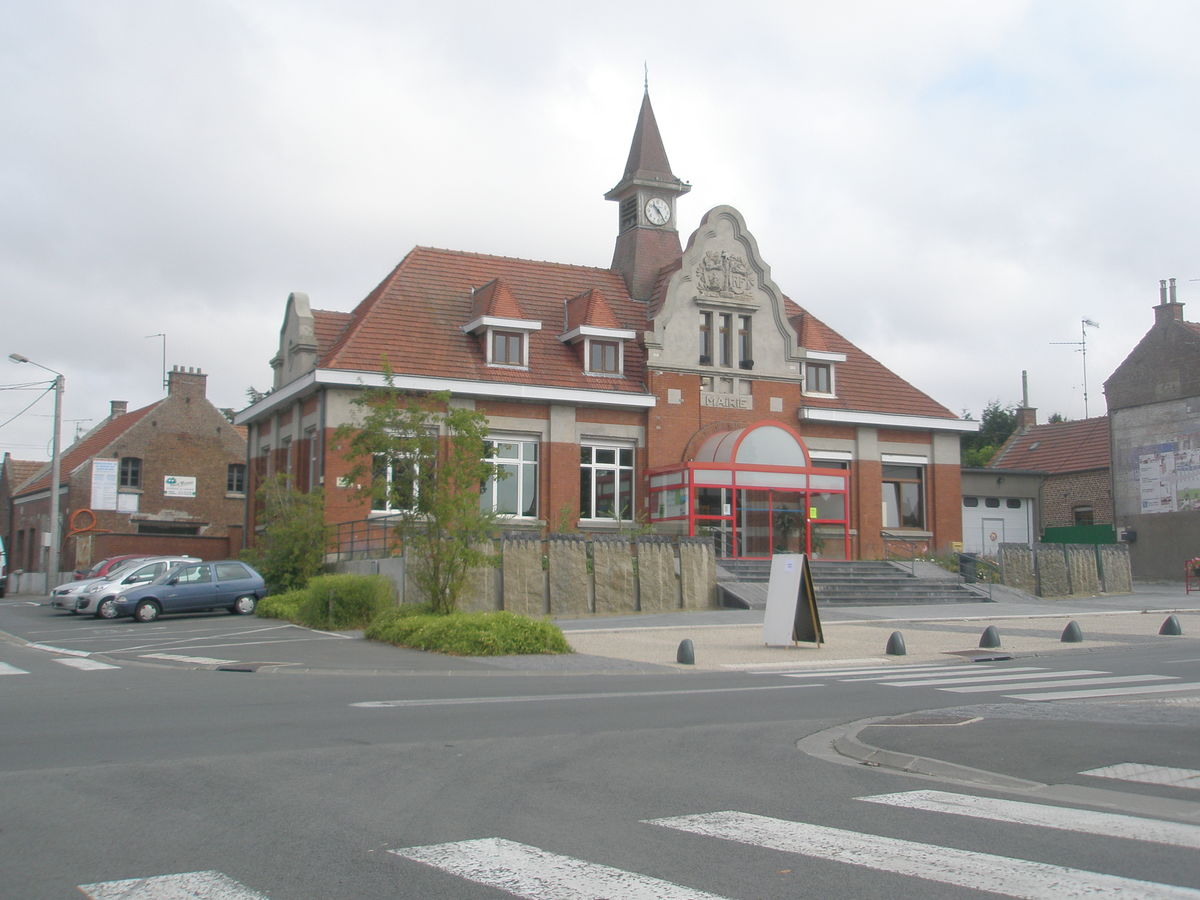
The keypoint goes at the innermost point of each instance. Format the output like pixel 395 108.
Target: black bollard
pixel 1171 626
pixel 1072 634
pixel 895 645
pixel 686 654
pixel 990 638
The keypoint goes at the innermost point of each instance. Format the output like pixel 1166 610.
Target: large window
pixel 903 496
pixel 513 492
pixel 745 343
pixel 131 472
pixel 606 482
pixel 706 342
pixel 726 340
pixel 399 477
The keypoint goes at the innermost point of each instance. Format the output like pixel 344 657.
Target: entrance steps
pixel 742 584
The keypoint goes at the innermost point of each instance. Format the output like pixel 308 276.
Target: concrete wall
pixel 577 575
pixel 1063 570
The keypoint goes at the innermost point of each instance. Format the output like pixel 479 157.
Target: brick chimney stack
pixel 117 408
pixel 189 383
pixel 1169 309
pixel 1026 414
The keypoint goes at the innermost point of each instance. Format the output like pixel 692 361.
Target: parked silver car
pixel 97 598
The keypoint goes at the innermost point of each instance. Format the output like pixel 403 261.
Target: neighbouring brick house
pixel 680 388
pixel 167 478
pixel 1070 462
pixel 1154 406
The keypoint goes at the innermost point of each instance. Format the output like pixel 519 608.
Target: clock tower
pixel 647 237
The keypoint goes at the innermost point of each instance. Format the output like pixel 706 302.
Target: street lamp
pixel 55 470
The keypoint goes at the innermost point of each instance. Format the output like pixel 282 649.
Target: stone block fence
pixel 577 575
pixel 1063 570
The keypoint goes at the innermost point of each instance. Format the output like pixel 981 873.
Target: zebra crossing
pixel 87 664
pixel 1035 683
pixel 81 664
pixel 535 873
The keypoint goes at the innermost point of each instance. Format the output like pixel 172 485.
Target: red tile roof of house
pixel 328 327
pixel 20 471
pixel 88 446
pixel 1057 448
pixel 590 308
pixel 495 299
pixel 424 302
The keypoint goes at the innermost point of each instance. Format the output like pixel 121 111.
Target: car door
pixel 190 587
pixel 233 580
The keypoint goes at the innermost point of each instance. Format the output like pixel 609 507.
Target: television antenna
pixel 1084 325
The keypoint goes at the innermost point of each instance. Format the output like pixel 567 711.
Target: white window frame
pixel 520 464
pixel 587 356
pixel 616 468
pixel 832 369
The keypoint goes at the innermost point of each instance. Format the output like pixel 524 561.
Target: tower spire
pixel 647 238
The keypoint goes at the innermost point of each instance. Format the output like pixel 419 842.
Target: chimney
pixel 188 383
pixel 1026 414
pixel 117 408
pixel 1168 309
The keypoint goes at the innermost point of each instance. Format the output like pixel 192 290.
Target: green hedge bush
pixel 468 634
pixel 340 602
pixel 281 606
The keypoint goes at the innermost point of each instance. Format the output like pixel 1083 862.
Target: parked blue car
pixel 195 587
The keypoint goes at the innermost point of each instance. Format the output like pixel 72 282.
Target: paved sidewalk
pixel 732 639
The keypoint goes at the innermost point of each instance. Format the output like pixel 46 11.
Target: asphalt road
pixel 138 777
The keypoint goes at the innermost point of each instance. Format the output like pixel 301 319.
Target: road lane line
pixel 1066 682
pixel 1061 818
pixel 539 698
pixel 537 874
pixel 946 865
pixel 1146 774
pixel 978 679
pixel 184 886
pixel 1106 692
pixel 6 669
pixel 885 671
pixel 87 665
pixel 198 660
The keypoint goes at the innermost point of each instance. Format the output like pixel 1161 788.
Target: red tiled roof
pixel 426 299
pixel 90 445
pixel 862 382
pixel 495 299
pixel 21 470
pixel 590 308
pixel 810 332
pixel 328 327
pixel 1057 448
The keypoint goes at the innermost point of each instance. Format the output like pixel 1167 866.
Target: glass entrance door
pixel 771 522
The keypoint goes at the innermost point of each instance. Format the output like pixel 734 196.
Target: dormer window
pixel 590 322
pixel 818 378
pixel 498 320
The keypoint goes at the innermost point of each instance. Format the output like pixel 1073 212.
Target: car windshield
pixel 124 569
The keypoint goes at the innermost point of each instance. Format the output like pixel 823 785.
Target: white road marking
pixel 531 698
pixel 1061 818
pixel 1106 692
pixel 89 665
pixel 198 660
pixel 537 874
pixel 1018 676
pixel 184 886
pixel 64 650
pixel 946 865
pixel 892 671
pixel 1146 774
pixel 6 669
pixel 927 677
pixel 1066 682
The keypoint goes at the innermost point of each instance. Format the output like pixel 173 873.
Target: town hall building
pixel 680 389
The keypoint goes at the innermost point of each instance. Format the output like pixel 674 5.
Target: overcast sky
pixel 952 186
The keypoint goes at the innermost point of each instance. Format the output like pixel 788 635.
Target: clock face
pixel 658 211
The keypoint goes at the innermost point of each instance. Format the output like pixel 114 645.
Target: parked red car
pixel 107 565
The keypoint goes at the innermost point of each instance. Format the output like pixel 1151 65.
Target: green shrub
pixel 281 606
pixel 340 602
pixel 469 634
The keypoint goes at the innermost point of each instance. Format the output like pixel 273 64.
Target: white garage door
pixel 991 521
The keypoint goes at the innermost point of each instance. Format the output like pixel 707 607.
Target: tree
pixel 291 547
pixel 426 461
pixel 995 426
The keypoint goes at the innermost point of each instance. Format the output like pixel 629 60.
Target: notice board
pixel 791 603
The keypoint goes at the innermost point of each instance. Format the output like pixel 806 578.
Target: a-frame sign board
pixel 791 614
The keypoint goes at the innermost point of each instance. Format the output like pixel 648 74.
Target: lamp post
pixel 55 470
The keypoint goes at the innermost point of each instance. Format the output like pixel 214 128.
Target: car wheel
pixel 107 609
pixel 243 606
pixel 146 611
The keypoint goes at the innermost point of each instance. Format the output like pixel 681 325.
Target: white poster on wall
pixel 104 484
pixel 179 486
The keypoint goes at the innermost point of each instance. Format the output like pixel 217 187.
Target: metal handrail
pixel 370 538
